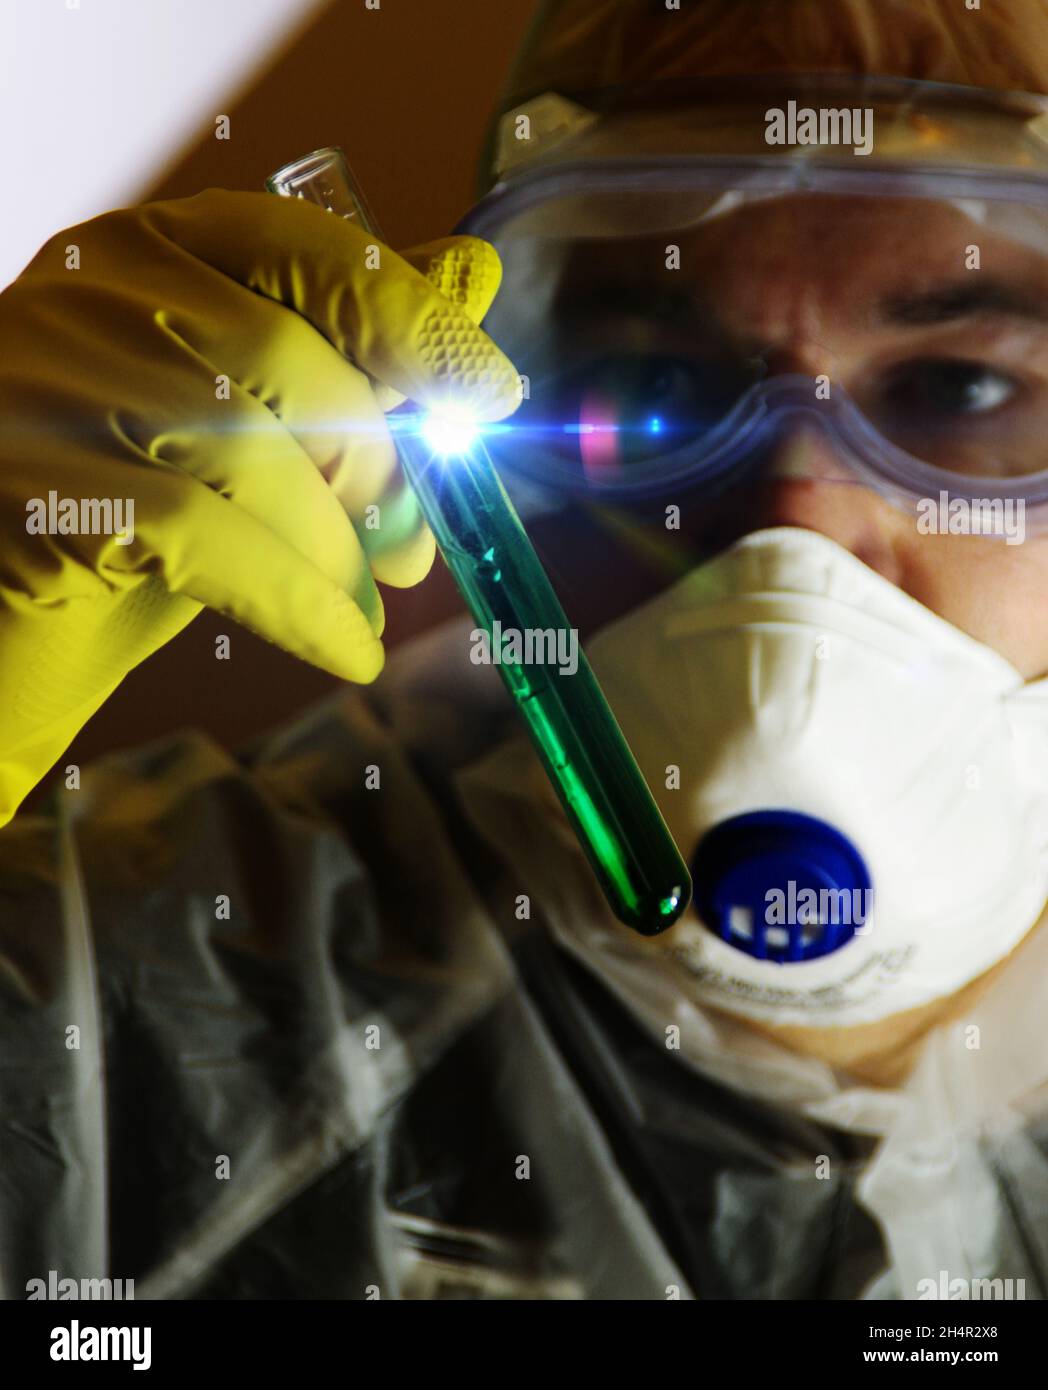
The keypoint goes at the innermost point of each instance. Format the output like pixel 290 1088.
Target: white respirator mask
pixel 863 789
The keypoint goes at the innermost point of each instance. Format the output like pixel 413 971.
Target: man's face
pixel 949 363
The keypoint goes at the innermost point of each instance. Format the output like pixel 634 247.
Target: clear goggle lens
pixel 653 356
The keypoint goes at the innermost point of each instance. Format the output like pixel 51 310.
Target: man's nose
pixel 805 481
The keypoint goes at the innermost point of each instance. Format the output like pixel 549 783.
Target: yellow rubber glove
pixel 210 361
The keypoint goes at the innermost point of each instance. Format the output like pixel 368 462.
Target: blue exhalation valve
pixel 781 886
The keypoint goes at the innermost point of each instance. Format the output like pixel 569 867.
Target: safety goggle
pixel 677 314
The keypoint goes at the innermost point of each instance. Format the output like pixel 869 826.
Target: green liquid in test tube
pixel 506 589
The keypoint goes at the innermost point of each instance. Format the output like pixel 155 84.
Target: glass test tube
pixel 506 589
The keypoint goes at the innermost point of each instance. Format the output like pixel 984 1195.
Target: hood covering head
pixel 610 55
pixel 576 47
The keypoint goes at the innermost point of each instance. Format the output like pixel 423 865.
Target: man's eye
pixel 947 389
pixel 651 395
pixel 636 387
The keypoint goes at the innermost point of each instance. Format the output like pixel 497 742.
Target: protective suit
pixel 346 1014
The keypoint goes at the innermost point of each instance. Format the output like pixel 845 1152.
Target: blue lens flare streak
pixel 450 437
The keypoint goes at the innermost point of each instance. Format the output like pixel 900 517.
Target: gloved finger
pixel 387 318
pixel 466 270
pixel 222 556
pixel 207 546
pixel 235 445
pixel 260 467
pixel 329 409
pixel 328 405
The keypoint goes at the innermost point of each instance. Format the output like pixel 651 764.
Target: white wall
pixel 96 96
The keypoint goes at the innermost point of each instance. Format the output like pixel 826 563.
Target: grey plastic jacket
pixel 268 1030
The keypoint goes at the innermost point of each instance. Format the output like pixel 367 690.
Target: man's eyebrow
pixel 928 308
pixel 964 299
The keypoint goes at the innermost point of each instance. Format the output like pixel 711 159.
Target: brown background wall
pixel 406 90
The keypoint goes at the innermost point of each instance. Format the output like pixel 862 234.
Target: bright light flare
pixel 449 434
